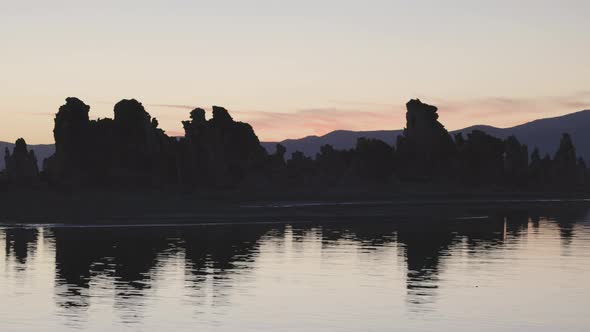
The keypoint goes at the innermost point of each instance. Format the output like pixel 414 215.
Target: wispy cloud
pixel 184 107
pixel 49 114
pixel 361 103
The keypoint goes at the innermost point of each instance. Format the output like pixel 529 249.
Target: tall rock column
pixel 426 147
pixel 71 133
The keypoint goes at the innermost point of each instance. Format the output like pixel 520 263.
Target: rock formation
pixel 128 149
pixel 142 151
pixel 426 146
pixel 72 133
pixel 220 151
pixel 21 165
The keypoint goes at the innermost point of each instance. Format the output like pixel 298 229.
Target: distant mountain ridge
pixel 339 139
pixel 543 134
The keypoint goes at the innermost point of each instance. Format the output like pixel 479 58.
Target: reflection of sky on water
pixel 450 275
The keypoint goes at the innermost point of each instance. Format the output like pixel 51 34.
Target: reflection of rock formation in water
pixel 129 261
pixel 83 255
pixel 535 221
pixel 129 256
pixel 422 250
pixel 214 255
pixel 566 221
pixel 483 236
pixel 424 245
pixel 217 249
pixel 517 223
pixel 79 256
pixel 135 255
pixel 19 241
pixel 366 234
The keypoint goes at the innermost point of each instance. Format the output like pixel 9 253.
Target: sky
pixel 294 68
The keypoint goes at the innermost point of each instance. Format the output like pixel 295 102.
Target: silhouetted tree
pixel 277 159
pixel 333 166
pixel 481 158
pixel 459 140
pixel 300 169
pixel 565 163
pixel 373 160
pixel 582 172
pixel 516 161
pixel 539 170
pixel 279 154
pixel 276 166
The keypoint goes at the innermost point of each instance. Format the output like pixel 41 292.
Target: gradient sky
pixel 294 68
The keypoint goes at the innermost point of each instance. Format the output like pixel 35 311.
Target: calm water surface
pixel 518 271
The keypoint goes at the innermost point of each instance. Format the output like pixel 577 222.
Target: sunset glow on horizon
pixel 293 69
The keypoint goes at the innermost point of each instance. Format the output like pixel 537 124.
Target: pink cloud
pixel 319 121
pixel 454 114
pixel 270 126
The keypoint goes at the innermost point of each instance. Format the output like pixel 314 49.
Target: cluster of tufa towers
pixel 131 151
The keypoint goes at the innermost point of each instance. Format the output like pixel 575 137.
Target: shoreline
pixel 145 209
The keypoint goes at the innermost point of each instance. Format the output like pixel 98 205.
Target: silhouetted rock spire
pixel 21 165
pixel 198 116
pixel 220 151
pixel 221 116
pixel 71 126
pixel 132 122
pixel 426 146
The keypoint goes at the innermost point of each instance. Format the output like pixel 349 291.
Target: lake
pixel 523 269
